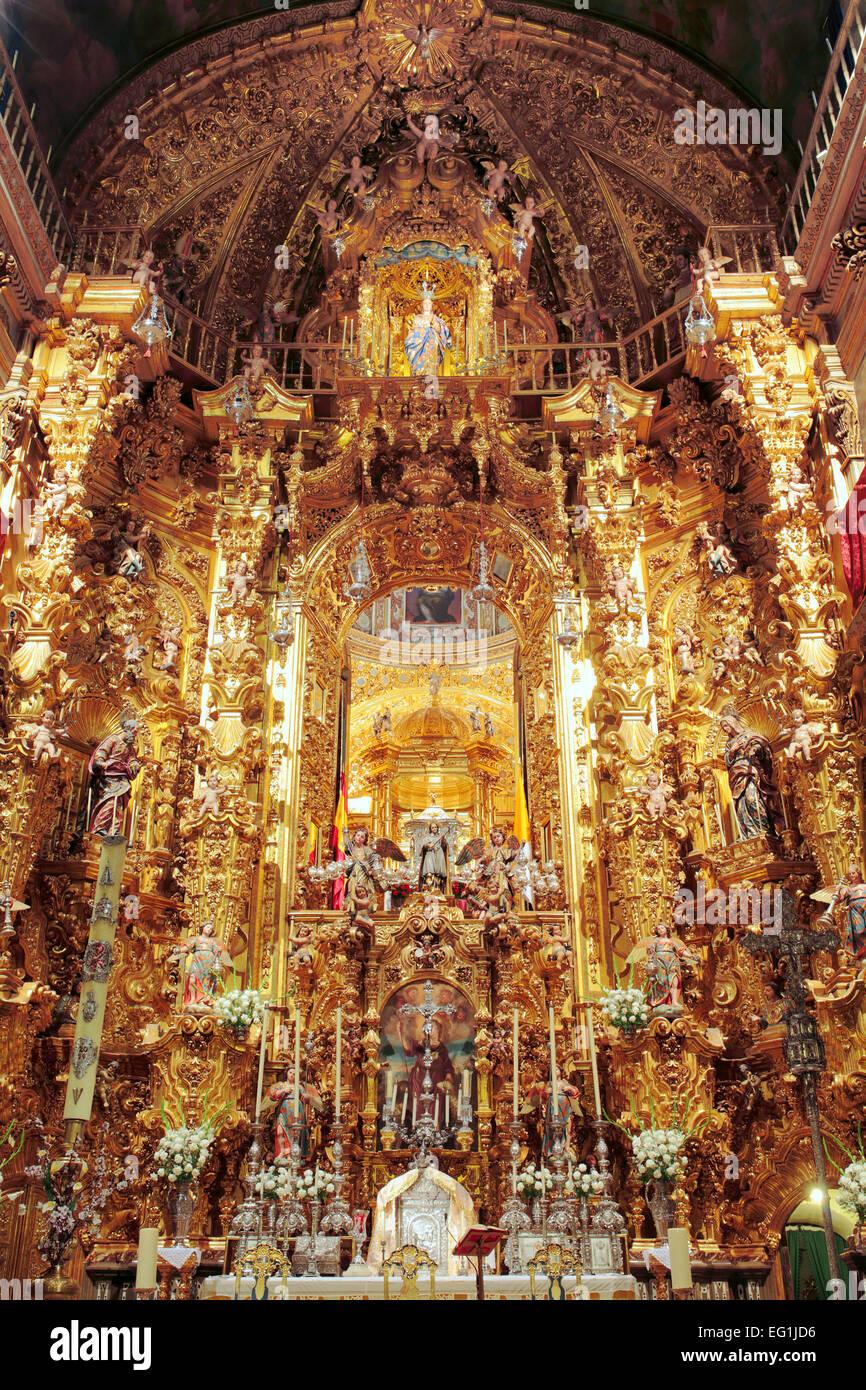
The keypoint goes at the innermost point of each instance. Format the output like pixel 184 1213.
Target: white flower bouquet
pixel 534 1182
pixel 276 1181
pixel 182 1153
pixel 239 1009
pixel 627 1009
pixel 584 1182
pixel 315 1186
pixel 852 1188
pixel 657 1154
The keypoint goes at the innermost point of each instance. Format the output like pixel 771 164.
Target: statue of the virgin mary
pixel 426 341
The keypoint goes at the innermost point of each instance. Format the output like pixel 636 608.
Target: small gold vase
pixel 57 1285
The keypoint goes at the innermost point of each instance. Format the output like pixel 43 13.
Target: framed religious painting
pixel 434 607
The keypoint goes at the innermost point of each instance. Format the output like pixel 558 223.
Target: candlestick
pixel 514 1073
pixel 145 1261
pixel 594 1062
pixel 553 1080
pixel 261 1079
pixel 297 1061
pixel 339 1062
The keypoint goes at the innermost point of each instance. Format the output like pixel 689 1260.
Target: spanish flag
pixel 341 820
pixel 521 812
pixel 313 840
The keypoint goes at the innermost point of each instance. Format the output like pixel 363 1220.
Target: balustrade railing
pixel 653 350
pixel 31 161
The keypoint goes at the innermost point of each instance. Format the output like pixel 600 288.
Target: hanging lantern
pixel 699 325
pixel 569 637
pixel 518 245
pixel 610 414
pixel 487 207
pixel 482 592
pixel 339 245
pixel 152 324
pixel 359 573
pixel 239 406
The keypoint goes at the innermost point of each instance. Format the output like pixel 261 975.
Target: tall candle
pixel 467 1082
pixel 297 1062
pixel 436 1114
pixel 495 340
pixel 447 1109
pixel 553 1080
pixel 403 1111
pixel 261 1080
pixel 351 336
pixel 594 1062
pixel 345 324
pixel 681 1265
pixel 145 1260
pixel 339 1063
pixel 414 1111
pixel 505 333
pixel 514 1067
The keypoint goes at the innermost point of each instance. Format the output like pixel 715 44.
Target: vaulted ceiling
pixel 239 144
pixel 74 53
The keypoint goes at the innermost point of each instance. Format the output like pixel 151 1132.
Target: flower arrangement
pixel 584 1182
pixel 239 1009
pixel 626 1009
pixel 276 1181
pixel 182 1153
pixel 852 1189
pixel 534 1182
pixel 657 1154
pixel 61 1180
pixel 316 1186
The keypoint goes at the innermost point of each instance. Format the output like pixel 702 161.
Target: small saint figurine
pixel 134 649
pixel 382 723
pixel 772 1016
pixel 126 554
pixel 749 762
pixel 667 959
pixel 112 770
pixel 208 796
pixel 427 340
pixel 800 737
pixel 433 860
pixel 588 322
pixel 657 793
pixel 131 905
pixel 309 1099
pixel 852 895
pixel 43 736
pixel 497 178
pixel 475 719
pixel 488 725
pixel 684 643
pixel 170 644
pixel 720 557
pixel 206 960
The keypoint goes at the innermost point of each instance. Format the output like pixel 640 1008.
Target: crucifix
pixel 426 1125
pixel 804 1051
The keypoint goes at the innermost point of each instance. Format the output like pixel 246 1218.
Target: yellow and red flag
pixel 341 820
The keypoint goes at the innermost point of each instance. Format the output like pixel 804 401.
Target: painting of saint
pixel 401 1050
pixel 434 607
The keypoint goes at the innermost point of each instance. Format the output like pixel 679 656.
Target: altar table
pixel 457 1288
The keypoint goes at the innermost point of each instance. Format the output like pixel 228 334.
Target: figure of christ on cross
pixel 433 1058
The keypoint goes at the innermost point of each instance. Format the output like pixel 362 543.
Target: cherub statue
pixel 56 493
pixel 493 912
pixel 797 488
pixel 301 942
pixel 429 139
pixel 525 214
pixel 685 641
pixel 363 905
pixel 358 175
pixel 240 582
pixel 657 793
pixel 720 557
pixel 170 644
pixel 208 796
pixel 144 272
pixel 557 949
pixel 126 549
pixel 134 649
pixel 497 177
pixel 621 587
pixel 706 270
pixel 800 737
pixel 256 365
pixel 595 365
pixel 42 737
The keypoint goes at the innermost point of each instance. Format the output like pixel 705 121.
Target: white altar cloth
pixel 497 1287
